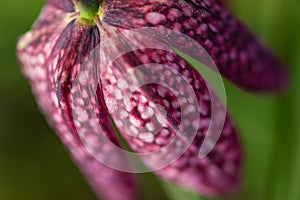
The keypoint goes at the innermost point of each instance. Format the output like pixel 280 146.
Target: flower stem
pixel 88 8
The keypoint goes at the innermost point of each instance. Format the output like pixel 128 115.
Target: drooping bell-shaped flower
pixel 60 57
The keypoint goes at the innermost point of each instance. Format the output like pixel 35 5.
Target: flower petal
pixel 66 5
pixel 238 55
pixel 36 58
pixel 135 96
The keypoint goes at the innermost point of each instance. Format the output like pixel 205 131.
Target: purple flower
pixel 54 52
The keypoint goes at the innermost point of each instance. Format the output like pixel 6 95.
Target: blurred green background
pixel 35 166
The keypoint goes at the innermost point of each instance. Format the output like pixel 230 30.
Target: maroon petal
pixel 49 75
pixel 66 5
pixel 238 55
pixel 138 118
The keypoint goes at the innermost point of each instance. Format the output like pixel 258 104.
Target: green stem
pixel 88 8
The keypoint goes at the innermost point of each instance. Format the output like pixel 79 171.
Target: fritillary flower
pixel 57 50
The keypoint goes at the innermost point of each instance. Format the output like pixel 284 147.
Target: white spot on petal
pixel 155 18
pixel 147 137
